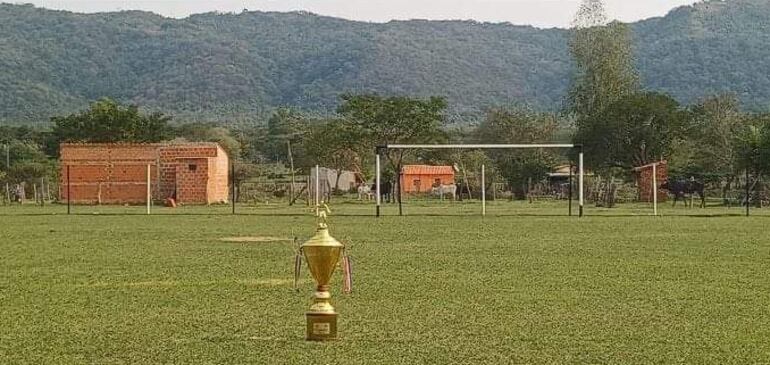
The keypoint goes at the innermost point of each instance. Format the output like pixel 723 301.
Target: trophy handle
pixel 297 268
pixel 347 272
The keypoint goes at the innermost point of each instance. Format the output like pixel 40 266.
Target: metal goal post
pixel 381 149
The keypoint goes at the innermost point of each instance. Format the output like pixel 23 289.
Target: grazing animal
pixel 386 188
pixel 445 189
pixel 682 189
pixel 365 192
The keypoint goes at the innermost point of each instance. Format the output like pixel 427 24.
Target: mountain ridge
pixel 238 67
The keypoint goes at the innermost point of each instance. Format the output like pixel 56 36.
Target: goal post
pixel 380 150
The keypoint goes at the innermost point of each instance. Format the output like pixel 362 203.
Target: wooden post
pixel 400 188
pixel 291 165
pixel 483 192
pixel 99 193
pixel 580 182
pixel 377 181
pixel 69 197
pixel 747 192
pixel 149 189
pixel 569 188
pixel 34 192
pixel 655 189
pixel 317 190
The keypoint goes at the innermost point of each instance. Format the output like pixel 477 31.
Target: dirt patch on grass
pixel 174 283
pixel 257 239
pixel 267 282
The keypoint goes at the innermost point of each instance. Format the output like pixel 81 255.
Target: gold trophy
pixel 322 253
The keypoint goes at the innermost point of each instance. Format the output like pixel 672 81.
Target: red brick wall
pixel 192 180
pixel 644 182
pixel 117 173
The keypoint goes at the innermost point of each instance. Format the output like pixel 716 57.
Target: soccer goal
pixel 380 150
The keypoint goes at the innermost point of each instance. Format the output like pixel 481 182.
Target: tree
pixel 634 131
pixel 286 125
pixel 753 145
pixel 208 132
pixel 710 148
pixel 604 63
pixel 108 121
pixel 519 167
pixel 379 120
pixel 333 144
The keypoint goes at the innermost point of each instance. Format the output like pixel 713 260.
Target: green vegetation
pixel 106 121
pixel 166 289
pixel 238 67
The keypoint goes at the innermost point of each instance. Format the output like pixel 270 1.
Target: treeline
pixel 713 140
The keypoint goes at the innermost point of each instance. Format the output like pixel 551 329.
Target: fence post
pixel 569 188
pixel 483 191
pixel 149 190
pixel 748 192
pixel 580 181
pixel 317 189
pixel 69 197
pixel 377 182
pixel 655 189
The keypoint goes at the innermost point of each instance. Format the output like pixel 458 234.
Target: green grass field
pixel 526 284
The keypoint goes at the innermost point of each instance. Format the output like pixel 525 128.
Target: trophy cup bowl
pixel 322 253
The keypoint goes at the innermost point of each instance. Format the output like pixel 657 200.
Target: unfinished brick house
pixel 116 173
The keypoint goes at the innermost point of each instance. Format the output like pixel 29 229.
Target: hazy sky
pixel 541 13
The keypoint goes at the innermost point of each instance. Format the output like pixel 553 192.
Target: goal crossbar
pixel 476 146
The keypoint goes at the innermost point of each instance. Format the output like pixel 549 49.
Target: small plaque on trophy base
pixel 321 326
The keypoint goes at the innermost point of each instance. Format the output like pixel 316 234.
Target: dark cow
pixel 682 189
pixel 386 188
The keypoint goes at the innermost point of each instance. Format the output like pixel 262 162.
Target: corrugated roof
pixel 427 170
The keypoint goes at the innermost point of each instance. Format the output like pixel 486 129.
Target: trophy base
pixel 321 326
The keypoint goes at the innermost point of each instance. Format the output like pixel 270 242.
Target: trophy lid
pixel 322 238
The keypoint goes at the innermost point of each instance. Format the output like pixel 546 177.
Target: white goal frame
pixel 380 149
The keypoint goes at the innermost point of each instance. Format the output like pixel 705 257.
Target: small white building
pixel 327 177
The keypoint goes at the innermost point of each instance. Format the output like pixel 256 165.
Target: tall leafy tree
pixel 333 144
pixel 381 120
pixel 519 167
pixel 633 131
pixel 209 132
pixel 108 121
pixel 715 123
pixel 604 63
pixel 286 126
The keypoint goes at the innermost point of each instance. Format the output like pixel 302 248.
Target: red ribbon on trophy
pixel 297 266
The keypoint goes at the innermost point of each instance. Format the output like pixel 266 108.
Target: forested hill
pixel 240 66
